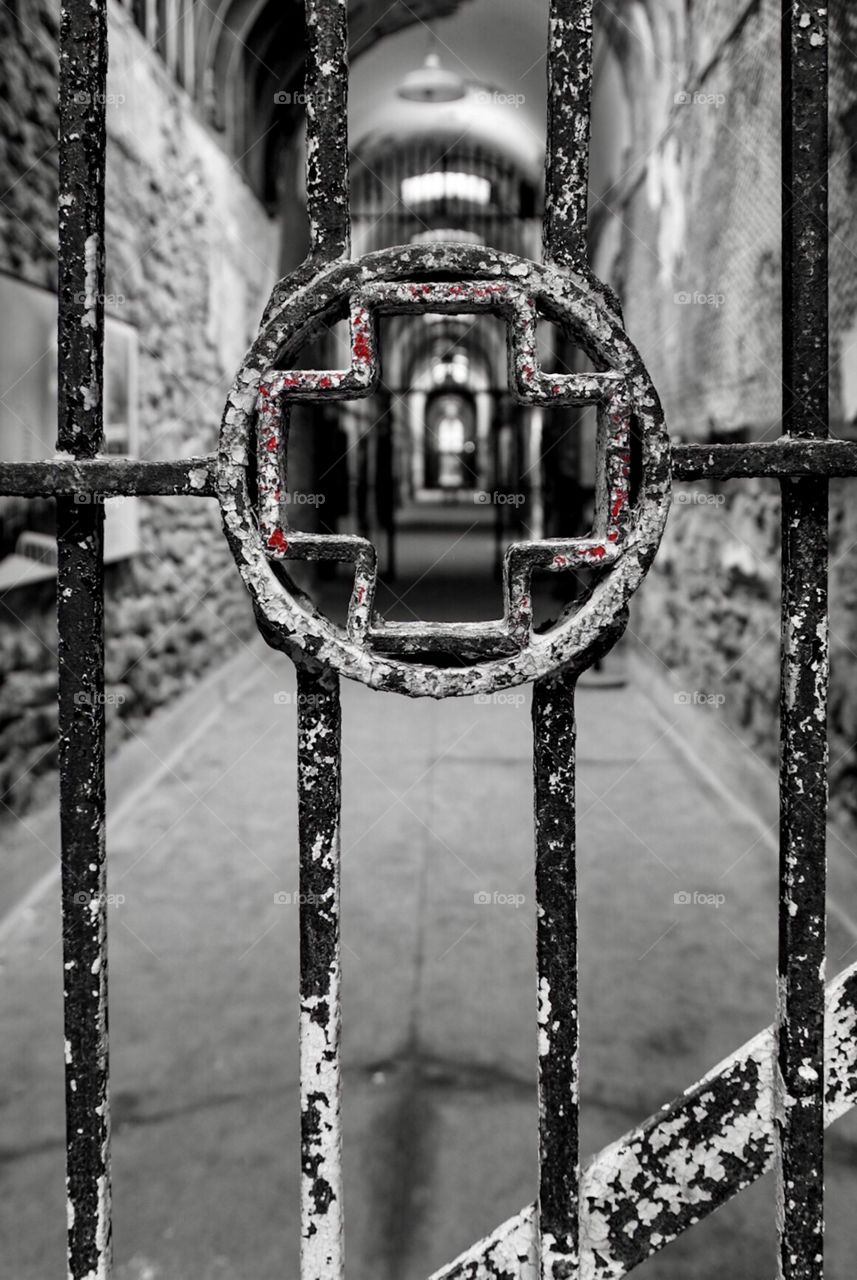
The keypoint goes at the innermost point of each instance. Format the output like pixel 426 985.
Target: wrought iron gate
pixel 769 1102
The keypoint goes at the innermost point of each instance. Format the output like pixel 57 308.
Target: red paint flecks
pixel 325 382
pixel 618 504
pixel 361 592
pixel 613 536
pixel 277 541
pixel 560 562
pixel 597 553
pixel 271 444
pixel 362 350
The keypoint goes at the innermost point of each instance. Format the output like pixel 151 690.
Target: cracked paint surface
pixel 319 798
pixel 681 1164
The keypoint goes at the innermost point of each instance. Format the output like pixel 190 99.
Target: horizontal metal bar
pixel 195 477
pixel 685 1161
pixel 775 459
pixel 464 641
pixel 108 477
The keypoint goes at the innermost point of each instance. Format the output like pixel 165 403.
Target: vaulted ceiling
pixel 249 57
pixel 249 51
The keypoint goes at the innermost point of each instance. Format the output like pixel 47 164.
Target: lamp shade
pixel 432 83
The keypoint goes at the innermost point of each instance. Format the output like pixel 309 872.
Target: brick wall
pixel 694 250
pixel 191 258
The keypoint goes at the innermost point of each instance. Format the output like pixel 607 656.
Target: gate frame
pixel 769 1102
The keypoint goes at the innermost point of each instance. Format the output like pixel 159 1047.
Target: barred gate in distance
pixel 769 1102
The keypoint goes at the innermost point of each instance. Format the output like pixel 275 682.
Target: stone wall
pixel 693 247
pixel 191 257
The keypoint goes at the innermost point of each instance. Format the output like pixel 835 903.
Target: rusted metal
pixel 197 477
pixel 327 169
pixel 569 67
pixel 774 459
pixel 319 796
pixel 623 542
pixel 556 974
pixel 799 1082
pixel 80 619
pixel 98 478
pixel 768 1102
pixel 684 1162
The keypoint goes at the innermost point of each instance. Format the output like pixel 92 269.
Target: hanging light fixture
pixel 432 83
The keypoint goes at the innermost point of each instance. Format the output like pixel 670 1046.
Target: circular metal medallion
pixel 632 497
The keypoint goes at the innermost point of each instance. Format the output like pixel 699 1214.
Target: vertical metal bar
pixel 80 605
pixel 567 155
pixel 319 798
pixel 804 673
pixel 556 960
pixel 327 127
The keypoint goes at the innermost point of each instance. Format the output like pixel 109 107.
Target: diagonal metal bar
pixel 681 1164
pixel 80 619
pixel 327 182
pixel 569 67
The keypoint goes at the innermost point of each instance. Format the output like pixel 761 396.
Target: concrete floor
pixel 439 1012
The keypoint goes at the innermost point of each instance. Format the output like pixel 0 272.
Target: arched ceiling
pixel 249 53
pixel 249 57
